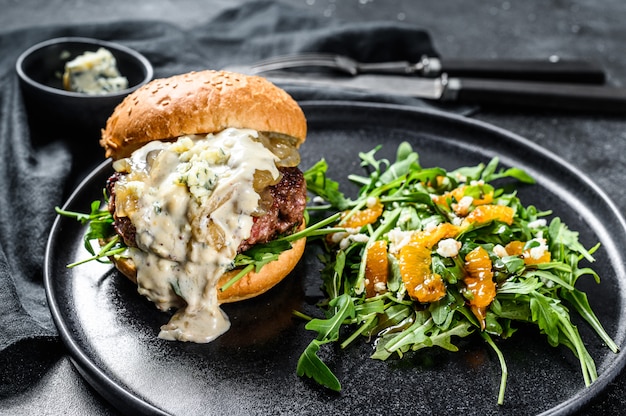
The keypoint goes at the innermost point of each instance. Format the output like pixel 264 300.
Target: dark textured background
pixel 595 30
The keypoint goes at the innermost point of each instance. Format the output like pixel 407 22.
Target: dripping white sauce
pixel 191 202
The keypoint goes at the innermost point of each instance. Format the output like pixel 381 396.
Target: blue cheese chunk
pixel 94 73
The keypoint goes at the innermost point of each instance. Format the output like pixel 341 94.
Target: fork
pixel 341 63
pixel 553 69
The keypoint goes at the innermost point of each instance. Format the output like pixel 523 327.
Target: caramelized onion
pixel 126 201
pixel 265 203
pixel 216 235
pixel 262 180
pixel 283 146
pixel 151 157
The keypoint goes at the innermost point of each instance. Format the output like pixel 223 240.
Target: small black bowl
pixel 48 105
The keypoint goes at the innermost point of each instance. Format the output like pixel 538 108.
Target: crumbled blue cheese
pixel 541 222
pixel 463 206
pixel 357 238
pixel 538 249
pixel 196 168
pixel 448 247
pixel 94 73
pixel 398 238
pixel 347 237
pixel 500 251
pixel 371 201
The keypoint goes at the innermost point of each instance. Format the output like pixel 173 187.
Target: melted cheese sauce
pixel 191 202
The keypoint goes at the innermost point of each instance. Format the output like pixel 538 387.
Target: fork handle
pixel 394 67
pixel 567 71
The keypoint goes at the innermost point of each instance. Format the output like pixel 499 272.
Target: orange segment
pixel 376 268
pixel 458 193
pixel 420 282
pixel 450 195
pixel 489 212
pixel 486 199
pixel 364 217
pixel 432 237
pixel 514 248
pixel 358 219
pixel 414 260
pixel 479 281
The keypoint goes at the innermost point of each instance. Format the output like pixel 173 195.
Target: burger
pixel 206 169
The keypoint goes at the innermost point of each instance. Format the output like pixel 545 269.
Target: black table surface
pixel 595 143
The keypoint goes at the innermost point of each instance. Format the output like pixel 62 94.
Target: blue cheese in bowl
pixel 94 73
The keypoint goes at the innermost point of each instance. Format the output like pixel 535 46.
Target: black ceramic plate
pixel 111 331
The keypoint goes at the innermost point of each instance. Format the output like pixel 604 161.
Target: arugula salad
pixel 424 256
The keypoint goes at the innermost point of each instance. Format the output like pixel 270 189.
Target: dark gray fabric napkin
pixel 40 166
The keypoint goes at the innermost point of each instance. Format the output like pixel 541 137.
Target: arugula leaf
pixel 546 312
pixel 261 254
pixel 515 173
pixel 422 334
pixel 328 329
pixel 319 184
pixel 310 365
pixel 114 247
pixel 406 162
pixel 489 172
pixel 94 215
pixel 579 301
pixel 560 234
pixel 400 342
pixel 369 159
pixel 100 228
pixel 503 368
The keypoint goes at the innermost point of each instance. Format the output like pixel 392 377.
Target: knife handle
pixel 540 95
pixel 567 71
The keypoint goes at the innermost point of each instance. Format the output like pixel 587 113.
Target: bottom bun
pixel 250 285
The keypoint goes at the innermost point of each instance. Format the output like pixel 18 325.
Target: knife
pixel 528 94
